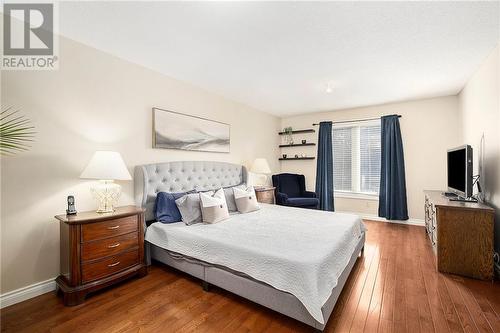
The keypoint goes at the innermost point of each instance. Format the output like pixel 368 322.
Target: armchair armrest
pixel 309 194
pixel 281 198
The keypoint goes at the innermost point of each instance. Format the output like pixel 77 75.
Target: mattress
pixel 299 251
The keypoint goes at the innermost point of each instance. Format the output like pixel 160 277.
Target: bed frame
pixel 184 176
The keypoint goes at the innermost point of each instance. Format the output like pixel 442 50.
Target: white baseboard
pixel 22 294
pixel 418 222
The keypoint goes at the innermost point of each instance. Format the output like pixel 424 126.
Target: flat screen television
pixel 460 171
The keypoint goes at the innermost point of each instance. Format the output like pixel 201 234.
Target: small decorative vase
pixel 288 135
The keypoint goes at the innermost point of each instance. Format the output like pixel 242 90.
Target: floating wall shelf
pixel 310 130
pixel 296 158
pixel 298 145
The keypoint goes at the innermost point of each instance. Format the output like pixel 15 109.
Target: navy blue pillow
pixel 166 210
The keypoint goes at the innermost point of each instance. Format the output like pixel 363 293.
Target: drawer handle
pixel 113 245
pixel 113 228
pixel 113 265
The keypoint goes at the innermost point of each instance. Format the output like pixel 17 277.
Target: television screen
pixel 457 169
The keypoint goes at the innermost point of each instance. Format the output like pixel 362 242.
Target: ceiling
pixel 279 56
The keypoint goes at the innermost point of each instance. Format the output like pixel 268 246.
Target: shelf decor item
pixel 284 155
pixel 289 137
pixel 106 166
pixel 304 142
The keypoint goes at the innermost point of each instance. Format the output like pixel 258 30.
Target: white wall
pixel 96 101
pixel 480 116
pixel 429 127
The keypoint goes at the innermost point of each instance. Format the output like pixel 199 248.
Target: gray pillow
pixel 246 201
pixel 229 194
pixel 189 207
pixel 213 207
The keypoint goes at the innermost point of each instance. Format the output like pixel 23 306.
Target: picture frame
pixel 174 130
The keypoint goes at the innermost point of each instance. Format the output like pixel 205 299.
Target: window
pixel 342 158
pixel 356 158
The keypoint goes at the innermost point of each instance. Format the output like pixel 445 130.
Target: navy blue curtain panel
pixel 392 197
pixel 324 168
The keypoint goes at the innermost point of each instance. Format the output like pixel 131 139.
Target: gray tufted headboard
pixel 182 177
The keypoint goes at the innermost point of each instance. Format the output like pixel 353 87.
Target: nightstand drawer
pixel 100 230
pixel 109 266
pixel 109 246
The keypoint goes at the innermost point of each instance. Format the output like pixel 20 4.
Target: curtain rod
pixel 353 121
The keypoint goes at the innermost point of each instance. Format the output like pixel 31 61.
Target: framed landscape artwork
pixel 172 130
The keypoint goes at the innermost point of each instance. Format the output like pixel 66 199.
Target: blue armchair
pixel 291 191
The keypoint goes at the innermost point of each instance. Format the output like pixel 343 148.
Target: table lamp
pixel 260 166
pixel 106 166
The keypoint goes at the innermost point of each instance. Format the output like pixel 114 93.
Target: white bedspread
pixel 299 251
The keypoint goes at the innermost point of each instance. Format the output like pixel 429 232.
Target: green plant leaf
pixel 16 132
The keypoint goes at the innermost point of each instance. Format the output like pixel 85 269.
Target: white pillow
pixel 214 207
pixel 228 192
pixel 189 207
pixel 246 201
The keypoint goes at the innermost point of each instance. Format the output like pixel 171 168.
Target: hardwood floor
pixel 394 287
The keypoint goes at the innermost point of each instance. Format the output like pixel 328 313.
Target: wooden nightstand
pixel 265 194
pixel 99 249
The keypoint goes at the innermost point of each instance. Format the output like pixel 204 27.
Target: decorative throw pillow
pixel 214 207
pixel 189 207
pixel 228 192
pixel 246 201
pixel 166 210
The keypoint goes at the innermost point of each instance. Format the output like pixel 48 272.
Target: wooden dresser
pixel 265 194
pixel 461 235
pixel 99 249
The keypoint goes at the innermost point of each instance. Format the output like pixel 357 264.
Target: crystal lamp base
pixel 106 193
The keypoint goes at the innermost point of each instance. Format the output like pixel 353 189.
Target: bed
pixel 294 261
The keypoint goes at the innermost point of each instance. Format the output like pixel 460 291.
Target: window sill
pixel 354 195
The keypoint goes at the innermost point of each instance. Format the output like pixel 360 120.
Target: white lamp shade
pixel 106 165
pixel 260 165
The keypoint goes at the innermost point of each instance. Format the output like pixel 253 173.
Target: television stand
pixel 460 199
pixel 461 235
